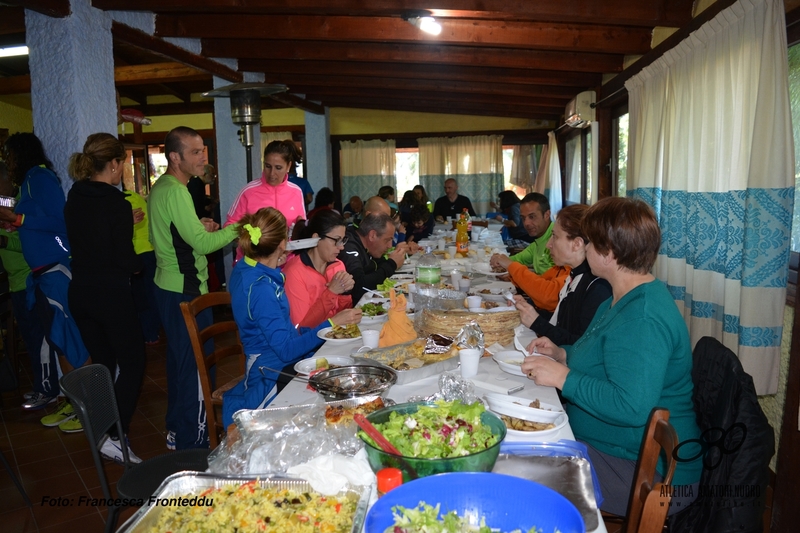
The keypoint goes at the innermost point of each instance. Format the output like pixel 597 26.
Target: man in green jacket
pixel 534 211
pixel 181 243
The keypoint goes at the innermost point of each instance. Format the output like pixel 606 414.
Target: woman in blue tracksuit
pixel 261 311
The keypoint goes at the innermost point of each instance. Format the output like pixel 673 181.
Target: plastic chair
pixel 220 333
pixel 649 504
pixel 91 392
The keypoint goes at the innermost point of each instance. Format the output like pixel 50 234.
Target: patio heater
pixel 246 111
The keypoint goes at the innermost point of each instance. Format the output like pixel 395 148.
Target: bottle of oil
pixel 462 237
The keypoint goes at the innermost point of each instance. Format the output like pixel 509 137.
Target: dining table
pixel 490 378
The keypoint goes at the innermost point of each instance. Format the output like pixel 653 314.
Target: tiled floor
pixel 52 464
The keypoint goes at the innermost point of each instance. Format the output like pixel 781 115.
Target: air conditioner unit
pixel 579 112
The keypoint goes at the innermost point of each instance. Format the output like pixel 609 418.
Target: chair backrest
pixel 90 390
pixel 649 503
pixel 226 343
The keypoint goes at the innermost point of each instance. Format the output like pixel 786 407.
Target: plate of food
pixel 510 362
pixel 340 334
pixel 523 408
pixel 306 366
pixel 524 430
pixel 491 294
pixel 373 312
pixel 487 270
pixel 301 244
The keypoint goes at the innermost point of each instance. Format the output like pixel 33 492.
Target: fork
pixel 510 297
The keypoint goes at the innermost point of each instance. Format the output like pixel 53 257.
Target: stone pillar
pixel 72 80
pixel 318 150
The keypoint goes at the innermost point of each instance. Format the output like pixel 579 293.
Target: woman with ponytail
pixel 100 227
pixel 261 311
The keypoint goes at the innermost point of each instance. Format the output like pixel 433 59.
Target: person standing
pixel 181 243
pixel 39 219
pixel 100 227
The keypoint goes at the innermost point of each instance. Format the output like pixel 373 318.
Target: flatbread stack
pixel 497 327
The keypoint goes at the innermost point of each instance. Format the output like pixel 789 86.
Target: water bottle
pixel 428 271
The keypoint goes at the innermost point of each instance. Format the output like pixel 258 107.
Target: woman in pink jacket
pixel 315 279
pixel 273 189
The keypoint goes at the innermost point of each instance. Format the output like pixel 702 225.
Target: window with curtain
pixel 794 96
pixel 475 162
pixel 620 139
pixel 366 166
pixel 574 169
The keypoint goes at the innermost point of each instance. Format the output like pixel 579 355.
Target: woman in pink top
pixel 315 279
pixel 274 188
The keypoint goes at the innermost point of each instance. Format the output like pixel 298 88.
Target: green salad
pixel 442 430
pixel 387 284
pixel 373 309
pixel 424 518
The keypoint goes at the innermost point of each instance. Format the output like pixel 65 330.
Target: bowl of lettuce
pixel 436 437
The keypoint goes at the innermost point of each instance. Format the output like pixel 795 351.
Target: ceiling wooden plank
pixel 414 54
pixel 464 32
pixel 157 73
pixel 451 107
pixel 422 85
pixel 422 71
pixel 12 20
pixel 15 84
pixel 51 8
pixel 154 44
pixel 188 108
pixel 134 94
pixel 648 14
pixel 298 102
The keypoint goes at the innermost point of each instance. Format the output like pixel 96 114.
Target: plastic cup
pixel 470 359
pixel 370 337
pixel 452 251
pixel 481 253
pixel 463 284
pixel 440 244
pixel 474 301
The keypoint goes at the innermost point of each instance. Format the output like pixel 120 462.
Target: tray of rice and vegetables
pixel 199 502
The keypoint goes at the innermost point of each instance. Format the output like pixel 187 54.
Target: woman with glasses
pixel 273 189
pixel 261 309
pixel 316 281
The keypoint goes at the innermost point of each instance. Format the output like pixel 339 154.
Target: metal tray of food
pixel 193 483
pixel 416 374
pixel 569 476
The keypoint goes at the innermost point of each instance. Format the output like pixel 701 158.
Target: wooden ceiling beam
pixel 12 20
pixel 674 13
pixel 133 94
pixel 464 32
pixel 422 71
pixel 191 108
pixel 300 103
pixel 414 54
pixel 159 46
pixel 158 73
pixel 15 84
pixel 367 84
pixel 452 107
pixel 51 8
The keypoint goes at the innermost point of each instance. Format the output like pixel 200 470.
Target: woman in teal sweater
pixel 634 356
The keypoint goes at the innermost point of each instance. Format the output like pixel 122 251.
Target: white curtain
pixel 524 164
pixel 268 137
pixel 476 163
pixel 548 177
pixel 366 167
pixel 711 150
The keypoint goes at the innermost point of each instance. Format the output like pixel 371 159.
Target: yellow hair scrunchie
pixel 255 233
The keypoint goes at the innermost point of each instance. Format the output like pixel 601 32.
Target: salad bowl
pixel 415 467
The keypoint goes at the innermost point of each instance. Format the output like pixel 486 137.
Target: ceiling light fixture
pixel 422 19
pixel 11 51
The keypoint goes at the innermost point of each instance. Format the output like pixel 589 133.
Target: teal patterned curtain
pixel 711 150
pixel 476 163
pixel 366 167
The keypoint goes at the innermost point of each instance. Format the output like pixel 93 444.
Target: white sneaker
pixel 111 450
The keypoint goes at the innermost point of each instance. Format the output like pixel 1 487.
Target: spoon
pixel 510 297
pixel 373 432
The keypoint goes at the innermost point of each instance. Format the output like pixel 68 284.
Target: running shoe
pixel 38 401
pixel 62 414
pixel 73 425
pixel 112 451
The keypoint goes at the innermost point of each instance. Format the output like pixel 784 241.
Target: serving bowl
pixel 413 467
pixel 507 503
pixel 353 381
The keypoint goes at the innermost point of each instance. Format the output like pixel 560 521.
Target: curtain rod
pixel 595 104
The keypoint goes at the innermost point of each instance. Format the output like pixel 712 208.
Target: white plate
pixel 306 366
pixel 321 334
pixel 518 408
pixel 513 435
pixel 495 293
pixel 495 285
pixel 509 362
pixel 302 244
pixel 487 270
pixel 493 310
pixel 379 318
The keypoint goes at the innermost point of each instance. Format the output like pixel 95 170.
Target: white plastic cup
pixel 452 251
pixel 463 284
pixel 440 244
pixel 470 359
pixel 370 337
pixel 481 253
pixel 474 301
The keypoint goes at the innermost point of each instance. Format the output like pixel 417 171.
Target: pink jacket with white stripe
pixel 286 198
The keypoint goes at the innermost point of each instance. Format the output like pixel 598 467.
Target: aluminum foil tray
pixel 569 476
pixel 184 483
pixel 416 374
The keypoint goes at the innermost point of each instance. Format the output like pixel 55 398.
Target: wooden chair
pixel 225 336
pixel 649 503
